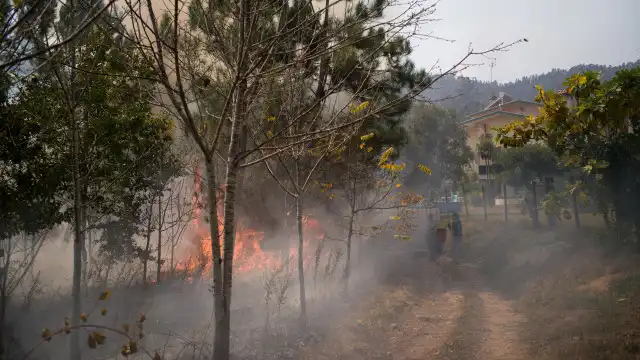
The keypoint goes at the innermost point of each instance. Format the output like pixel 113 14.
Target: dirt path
pixel 458 321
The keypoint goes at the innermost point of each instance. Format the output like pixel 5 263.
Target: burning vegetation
pixel 249 255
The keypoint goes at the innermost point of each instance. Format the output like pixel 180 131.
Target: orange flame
pixel 248 254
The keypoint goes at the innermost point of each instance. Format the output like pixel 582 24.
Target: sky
pixel 560 34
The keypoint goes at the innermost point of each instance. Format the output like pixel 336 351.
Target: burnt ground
pixel 437 311
pixel 517 294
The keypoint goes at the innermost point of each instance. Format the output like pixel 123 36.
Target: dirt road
pixel 449 317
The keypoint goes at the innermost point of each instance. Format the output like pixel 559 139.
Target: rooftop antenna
pixel 493 94
pixel 493 63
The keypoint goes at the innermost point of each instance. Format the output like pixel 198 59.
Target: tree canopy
pixel 598 133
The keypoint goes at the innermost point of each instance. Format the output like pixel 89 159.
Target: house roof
pixel 496 107
pixel 501 99
pixel 492 114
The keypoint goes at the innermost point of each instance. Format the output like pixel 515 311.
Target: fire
pixel 248 254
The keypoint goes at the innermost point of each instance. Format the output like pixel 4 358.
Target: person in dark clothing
pixel 456 235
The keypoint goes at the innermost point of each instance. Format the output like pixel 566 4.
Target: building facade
pixel 501 110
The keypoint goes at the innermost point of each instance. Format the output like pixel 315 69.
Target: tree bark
pixel 303 297
pixel 574 202
pixel 466 202
pixel 216 257
pixel 506 209
pixel 534 206
pixel 78 242
pixel 4 298
pixel 159 268
pixel 484 201
pixel 145 256
pixel 221 348
pixel 352 211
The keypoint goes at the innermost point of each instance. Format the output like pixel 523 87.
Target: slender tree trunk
pixel 534 206
pixel 484 201
pixel 78 242
pixel 216 257
pixel 159 268
pixel 85 255
pixel 145 256
pixel 466 202
pixel 574 203
pixel 506 209
pixel 347 266
pixel 303 297
pixel 4 297
pixel 221 348
pixel 352 211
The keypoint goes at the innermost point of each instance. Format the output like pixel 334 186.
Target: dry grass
pixel 361 335
pixel 579 301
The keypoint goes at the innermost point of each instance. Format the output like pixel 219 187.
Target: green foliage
pixel 31 190
pixel 600 135
pixel 486 147
pixel 125 151
pixel 436 139
pixel 520 166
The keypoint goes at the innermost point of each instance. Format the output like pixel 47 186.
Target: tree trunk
pixel 352 211
pixel 484 201
pixel 466 202
pixel 303 297
pixel 534 206
pixel 159 268
pixel 574 203
pixel 216 257
pixel 147 251
pixel 78 242
pixel 85 255
pixel 506 209
pixel 347 266
pixel 4 297
pixel 221 348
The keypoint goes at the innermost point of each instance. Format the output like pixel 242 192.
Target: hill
pixel 467 95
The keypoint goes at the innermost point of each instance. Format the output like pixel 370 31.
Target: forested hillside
pixel 468 95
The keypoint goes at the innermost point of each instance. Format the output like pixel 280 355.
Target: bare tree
pixel 216 66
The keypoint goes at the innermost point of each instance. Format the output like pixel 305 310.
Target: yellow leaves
pixel 46 334
pixel 393 167
pixel 398 186
pixel 17 3
pixel 125 350
pixel 385 156
pixel 133 347
pixel 362 145
pixel 104 295
pixel 582 80
pixel 402 237
pixel 95 338
pixel 365 138
pixel 271 118
pixel 395 217
pixel 269 134
pixel 424 169
pixel 83 317
pixel 103 311
pixel 354 109
pixel 369 149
